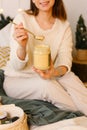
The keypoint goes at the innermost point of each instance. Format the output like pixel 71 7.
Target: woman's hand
pixel 52 72
pixel 20 35
pixel 47 74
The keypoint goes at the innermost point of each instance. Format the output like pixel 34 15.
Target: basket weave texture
pixel 81 54
pixel 20 124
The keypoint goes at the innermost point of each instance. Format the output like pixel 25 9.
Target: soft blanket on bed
pixel 38 112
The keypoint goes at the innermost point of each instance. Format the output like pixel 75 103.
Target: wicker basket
pixel 81 54
pixel 20 124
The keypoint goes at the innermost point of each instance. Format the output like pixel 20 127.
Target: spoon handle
pixel 41 38
pixel 24 28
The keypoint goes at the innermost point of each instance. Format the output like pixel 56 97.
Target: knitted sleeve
pixel 64 56
pixel 14 60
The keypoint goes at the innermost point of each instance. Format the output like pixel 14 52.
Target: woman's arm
pixel 52 72
pixel 63 60
pixel 18 43
pixel 21 36
pixel 64 56
pixel 60 71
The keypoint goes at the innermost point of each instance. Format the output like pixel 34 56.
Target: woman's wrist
pixel 60 71
pixel 21 52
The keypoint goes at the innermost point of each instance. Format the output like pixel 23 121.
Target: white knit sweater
pixel 59 38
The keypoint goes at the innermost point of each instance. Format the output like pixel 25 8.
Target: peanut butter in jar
pixel 41 57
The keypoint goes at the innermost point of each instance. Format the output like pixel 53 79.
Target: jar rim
pixel 42 48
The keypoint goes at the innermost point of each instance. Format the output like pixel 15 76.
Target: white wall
pixel 11 6
pixel 74 9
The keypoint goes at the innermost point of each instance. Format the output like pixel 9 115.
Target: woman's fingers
pixel 19 26
pixel 20 34
pixel 44 74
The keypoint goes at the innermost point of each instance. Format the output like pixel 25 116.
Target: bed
pixel 41 120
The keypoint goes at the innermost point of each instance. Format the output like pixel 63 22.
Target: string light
pixel 1 9
pixel 19 4
pixel 19 9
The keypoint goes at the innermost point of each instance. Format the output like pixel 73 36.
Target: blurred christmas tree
pixel 81 34
pixel 4 21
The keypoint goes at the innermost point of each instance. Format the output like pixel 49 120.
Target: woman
pixel 58 84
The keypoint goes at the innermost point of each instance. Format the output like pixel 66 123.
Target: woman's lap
pixel 76 89
pixel 67 92
pixel 38 88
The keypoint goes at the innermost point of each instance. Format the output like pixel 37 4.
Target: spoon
pixel 39 37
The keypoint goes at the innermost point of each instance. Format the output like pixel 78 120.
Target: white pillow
pixel 4 35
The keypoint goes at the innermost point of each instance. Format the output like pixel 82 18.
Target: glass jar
pixel 41 57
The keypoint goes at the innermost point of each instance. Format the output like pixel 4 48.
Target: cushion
pixel 4 55
pixel 5 35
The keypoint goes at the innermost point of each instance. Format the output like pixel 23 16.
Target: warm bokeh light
pixel 20 9
pixel 1 10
